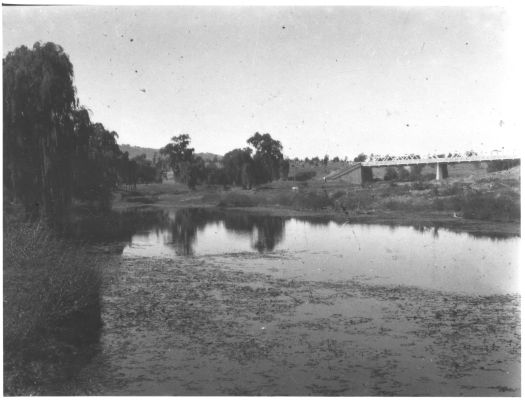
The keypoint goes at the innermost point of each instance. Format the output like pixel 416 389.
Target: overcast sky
pixel 322 80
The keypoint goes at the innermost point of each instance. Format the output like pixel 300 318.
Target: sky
pixel 322 80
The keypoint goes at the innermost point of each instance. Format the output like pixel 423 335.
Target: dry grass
pixel 51 306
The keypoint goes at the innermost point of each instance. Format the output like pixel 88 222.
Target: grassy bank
pixel 459 200
pixel 480 203
pixel 51 307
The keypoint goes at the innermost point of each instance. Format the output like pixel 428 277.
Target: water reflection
pixel 180 229
pixel 183 225
pixel 265 231
pixel 114 226
pixel 427 229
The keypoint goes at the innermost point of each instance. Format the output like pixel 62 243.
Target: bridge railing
pixel 393 161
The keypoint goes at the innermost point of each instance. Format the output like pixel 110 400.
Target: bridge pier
pixel 366 174
pixel 441 171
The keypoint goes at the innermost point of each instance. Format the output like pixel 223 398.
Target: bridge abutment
pixel 441 171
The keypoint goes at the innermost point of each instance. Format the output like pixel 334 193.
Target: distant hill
pixel 208 156
pixel 133 151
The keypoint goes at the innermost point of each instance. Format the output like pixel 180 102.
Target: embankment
pixel 486 205
pixel 51 307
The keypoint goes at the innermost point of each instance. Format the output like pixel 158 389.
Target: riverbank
pixel 487 204
pixel 51 306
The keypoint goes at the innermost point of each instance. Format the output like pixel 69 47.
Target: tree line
pixel 239 167
pixel 53 152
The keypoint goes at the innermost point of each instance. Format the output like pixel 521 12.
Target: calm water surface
pixel 323 250
pixel 216 302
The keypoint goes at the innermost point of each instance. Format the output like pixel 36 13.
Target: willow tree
pixel 39 100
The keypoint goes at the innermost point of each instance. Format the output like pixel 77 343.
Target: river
pixel 216 302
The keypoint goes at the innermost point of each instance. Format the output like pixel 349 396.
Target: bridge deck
pixel 428 161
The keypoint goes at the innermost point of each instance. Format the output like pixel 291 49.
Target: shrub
pixel 305 175
pixel 402 173
pixel 395 189
pixel 419 185
pixel 494 166
pixel 415 173
pixel 490 206
pixel 51 306
pixel 311 200
pixel 358 200
pixel 338 194
pixel 390 174
pixel 284 198
pixel 454 189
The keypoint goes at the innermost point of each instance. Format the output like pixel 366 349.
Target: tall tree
pixel 104 167
pixel 186 168
pixel 267 157
pixel 39 100
pixel 284 167
pixel 238 166
pixel 360 158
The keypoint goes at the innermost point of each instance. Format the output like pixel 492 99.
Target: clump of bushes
pixel 284 198
pixel 305 175
pixel 301 200
pixel 402 173
pixel 51 306
pixel 356 200
pixel 311 200
pixel 338 194
pixel 394 189
pixel 390 174
pixel 421 185
pixel 415 173
pixel 490 206
pixel 495 166
pixel 455 189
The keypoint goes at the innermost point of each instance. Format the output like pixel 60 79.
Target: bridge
pixel 360 172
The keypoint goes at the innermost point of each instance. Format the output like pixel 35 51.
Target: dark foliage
pixel 360 158
pixel 390 174
pixel 490 206
pixel 495 166
pixel 305 175
pixel 52 151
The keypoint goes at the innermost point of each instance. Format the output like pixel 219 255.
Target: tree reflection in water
pixel 180 228
pixel 183 226
pixel 266 232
